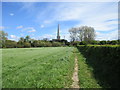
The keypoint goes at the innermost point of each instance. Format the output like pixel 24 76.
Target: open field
pixel 53 67
pixel 37 67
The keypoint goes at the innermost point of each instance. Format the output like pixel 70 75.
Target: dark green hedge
pixel 105 61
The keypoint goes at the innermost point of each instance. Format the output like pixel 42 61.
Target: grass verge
pixel 85 73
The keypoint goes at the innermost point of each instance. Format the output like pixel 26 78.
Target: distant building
pixel 58 34
pixel 58 39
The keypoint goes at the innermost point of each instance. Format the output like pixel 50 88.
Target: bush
pixel 83 43
pixel 113 42
pixel 106 63
pixel 102 42
pixel 10 44
pixel 20 46
pixel 48 44
pixel 27 45
pixel 56 44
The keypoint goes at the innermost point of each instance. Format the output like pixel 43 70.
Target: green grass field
pixel 37 67
pixel 50 67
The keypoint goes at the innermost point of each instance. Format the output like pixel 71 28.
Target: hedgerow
pixel 105 61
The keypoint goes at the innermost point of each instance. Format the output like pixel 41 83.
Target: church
pixel 58 39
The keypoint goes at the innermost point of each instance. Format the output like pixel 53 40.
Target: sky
pixel 40 19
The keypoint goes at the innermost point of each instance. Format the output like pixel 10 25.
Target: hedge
pixel 105 61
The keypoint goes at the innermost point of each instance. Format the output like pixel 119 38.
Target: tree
pixel 86 33
pixel 27 39
pixel 103 42
pixel 56 44
pixel 73 34
pixel 20 43
pixel 83 33
pixel 35 43
pixel 83 43
pixel 10 44
pixel 45 39
pixel 21 40
pixel 114 42
pixel 27 45
pixel 3 38
pixel 94 42
pixel 75 43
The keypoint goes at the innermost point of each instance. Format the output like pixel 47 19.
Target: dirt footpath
pixel 75 78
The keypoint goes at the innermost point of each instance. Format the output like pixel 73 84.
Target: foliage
pixel 10 44
pixel 103 42
pixel 75 43
pixel 26 42
pixel 105 61
pixel 56 44
pixel 50 67
pixel 83 33
pixel 27 45
pixel 27 39
pixel 3 38
pixel 83 43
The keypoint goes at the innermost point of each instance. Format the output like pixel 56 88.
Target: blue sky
pixel 40 19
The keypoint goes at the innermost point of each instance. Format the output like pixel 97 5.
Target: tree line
pixel 26 42
pixel 79 36
pixel 86 35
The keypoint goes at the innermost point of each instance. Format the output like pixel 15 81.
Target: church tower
pixel 58 32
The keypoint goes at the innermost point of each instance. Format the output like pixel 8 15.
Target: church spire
pixel 58 32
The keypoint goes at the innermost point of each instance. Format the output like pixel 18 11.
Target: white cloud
pixel 93 14
pixel 11 14
pixel 101 23
pixel 19 27
pixel 14 37
pixel 21 34
pixel 65 36
pixel 42 26
pixel 49 36
pixel 47 21
pixel 101 16
pixel 107 36
pixel 33 30
pixel 2 27
pixel 29 29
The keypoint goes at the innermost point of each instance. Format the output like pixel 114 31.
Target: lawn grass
pixel 85 73
pixel 50 67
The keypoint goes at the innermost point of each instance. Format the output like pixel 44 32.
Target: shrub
pixel 27 45
pixel 106 63
pixel 56 44
pixel 10 44
pixel 83 43
pixel 102 42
